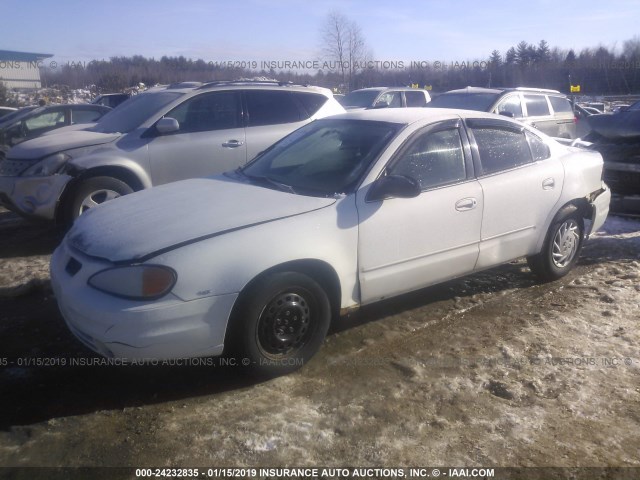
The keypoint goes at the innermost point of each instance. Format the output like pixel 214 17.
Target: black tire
pixel 94 190
pixel 280 322
pixel 561 247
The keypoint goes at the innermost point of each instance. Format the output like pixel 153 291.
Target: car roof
pixel 415 114
pixel 381 89
pixel 193 87
pixel 503 90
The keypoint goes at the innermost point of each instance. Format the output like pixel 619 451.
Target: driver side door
pixel 211 139
pixel 409 243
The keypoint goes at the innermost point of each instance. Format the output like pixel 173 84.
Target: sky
pixel 280 30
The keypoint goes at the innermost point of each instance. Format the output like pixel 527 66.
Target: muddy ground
pixel 489 370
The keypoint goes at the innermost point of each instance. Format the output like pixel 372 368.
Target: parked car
pixel 165 134
pixel 617 138
pixel 385 97
pixel 6 110
pixel 344 212
pixel 14 114
pixel 34 122
pixel 547 110
pixel 111 100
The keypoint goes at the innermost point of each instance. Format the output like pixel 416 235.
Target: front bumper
pixel 33 197
pixel 164 329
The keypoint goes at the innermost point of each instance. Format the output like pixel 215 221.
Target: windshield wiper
pixel 263 179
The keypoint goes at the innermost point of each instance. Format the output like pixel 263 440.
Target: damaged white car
pixel 343 212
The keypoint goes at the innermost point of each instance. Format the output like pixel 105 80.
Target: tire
pixel 561 247
pixel 93 192
pixel 279 324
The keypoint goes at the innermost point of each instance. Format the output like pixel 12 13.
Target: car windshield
pixel 360 98
pixel 323 158
pixel 133 112
pixel 481 102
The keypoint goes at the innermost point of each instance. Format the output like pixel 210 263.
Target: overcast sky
pixel 268 30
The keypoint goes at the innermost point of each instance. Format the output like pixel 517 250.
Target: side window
pixel 209 111
pixel 433 159
pixel 537 105
pixel 501 149
pixel 539 149
pixel 560 104
pixel 511 105
pixel 85 116
pixel 268 107
pixel 390 99
pixel 311 102
pixel 45 120
pixel 415 99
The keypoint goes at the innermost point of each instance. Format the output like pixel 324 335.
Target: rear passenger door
pixel 538 114
pixel 564 116
pixel 520 182
pixel 273 114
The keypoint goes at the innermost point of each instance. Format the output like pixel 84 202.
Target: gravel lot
pixel 489 370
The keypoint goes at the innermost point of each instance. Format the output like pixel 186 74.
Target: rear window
pixel 311 102
pixel 480 102
pixel 560 104
pixel 266 107
pixel 501 149
pixel 415 99
pixel 537 105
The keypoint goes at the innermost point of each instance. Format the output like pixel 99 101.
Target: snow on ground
pixel 490 370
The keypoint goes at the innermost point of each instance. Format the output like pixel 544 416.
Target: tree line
pixel 598 71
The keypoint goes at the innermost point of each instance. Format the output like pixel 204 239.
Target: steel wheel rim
pixel 97 198
pixel 285 324
pixel 565 243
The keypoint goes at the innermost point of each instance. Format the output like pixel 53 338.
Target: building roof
pixel 9 55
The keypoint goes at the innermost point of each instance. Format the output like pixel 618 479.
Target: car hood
pixel 623 125
pixel 147 223
pixel 48 145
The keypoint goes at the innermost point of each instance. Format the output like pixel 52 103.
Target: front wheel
pixel 280 323
pixel 93 192
pixel 561 248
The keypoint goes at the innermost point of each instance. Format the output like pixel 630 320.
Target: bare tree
pixel 344 44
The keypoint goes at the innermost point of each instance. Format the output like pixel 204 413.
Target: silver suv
pixel 165 134
pixel 547 110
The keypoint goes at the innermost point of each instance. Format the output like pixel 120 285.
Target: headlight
pixel 139 282
pixel 48 166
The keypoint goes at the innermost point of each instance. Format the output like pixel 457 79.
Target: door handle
pixel 466 204
pixel 548 184
pixel 233 144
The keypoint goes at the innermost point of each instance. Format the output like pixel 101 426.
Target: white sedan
pixel 341 213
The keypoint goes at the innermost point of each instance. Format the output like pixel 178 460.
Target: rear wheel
pixel 561 248
pixel 280 323
pixel 93 192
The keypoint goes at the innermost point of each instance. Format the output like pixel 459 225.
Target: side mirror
pixel 508 114
pixel 393 186
pixel 167 125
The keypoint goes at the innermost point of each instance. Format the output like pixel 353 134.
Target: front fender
pixel 80 166
pixel 226 264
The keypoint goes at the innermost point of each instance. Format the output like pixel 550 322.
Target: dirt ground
pixel 489 370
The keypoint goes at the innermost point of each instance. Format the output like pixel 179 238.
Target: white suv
pixel 165 134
